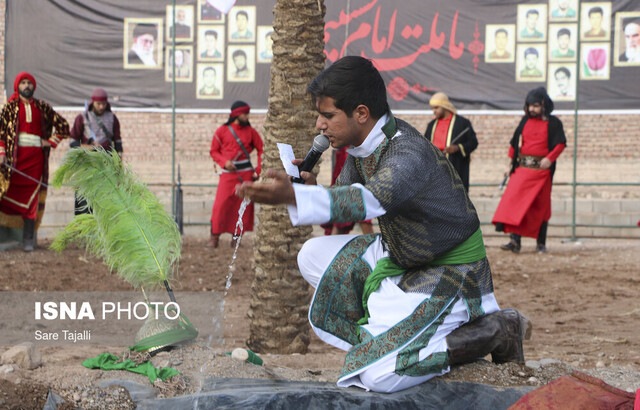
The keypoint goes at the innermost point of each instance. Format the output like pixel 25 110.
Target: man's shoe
pixel 213 241
pixel 515 328
pixel 541 248
pixel 28 235
pixel 500 333
pixel 511 246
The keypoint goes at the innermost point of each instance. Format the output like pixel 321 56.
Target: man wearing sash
pixel 231 147
pixel 452 134
pixel 395 301
pixel 525 206
pixel 26 137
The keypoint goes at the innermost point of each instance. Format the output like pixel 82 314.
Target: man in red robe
pixel 452 134
pixel 525 207
pixel 26 137
pixel 231 146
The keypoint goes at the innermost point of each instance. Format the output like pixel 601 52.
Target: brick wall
pixel 608 152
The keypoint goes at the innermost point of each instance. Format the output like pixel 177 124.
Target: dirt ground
pixel 581 296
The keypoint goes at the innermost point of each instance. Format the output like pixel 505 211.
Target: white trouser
pixel 387 306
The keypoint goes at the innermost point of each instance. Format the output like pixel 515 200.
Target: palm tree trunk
pixel 280 296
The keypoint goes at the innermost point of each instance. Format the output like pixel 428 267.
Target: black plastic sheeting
pixel 284 395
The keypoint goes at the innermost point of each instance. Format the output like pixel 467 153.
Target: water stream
pixel 237 237
pixel 219 324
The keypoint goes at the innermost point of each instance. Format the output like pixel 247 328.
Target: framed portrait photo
pixel 184 24
pixel 242 24
pixel 500 43
pixel 241 63
pixel 595 21
pixel 209 81
pixel 627 39
pixel 563 10
pixel 532 22
pixel 142 49
pixel 183 66
pixel 563 42
pixel 531 63
pixel 265 44
pixel 211 43
pixel 562 81
pixel 207 14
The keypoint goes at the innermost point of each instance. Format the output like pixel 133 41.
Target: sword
pixel 464 131
pixel 24 175
pixel 504 182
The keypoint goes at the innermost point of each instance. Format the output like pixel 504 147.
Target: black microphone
pixel 320 145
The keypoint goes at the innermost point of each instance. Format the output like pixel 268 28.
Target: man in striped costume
pixel 26 136
pixel 395 301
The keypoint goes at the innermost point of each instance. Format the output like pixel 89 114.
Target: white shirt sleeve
pixel 313 205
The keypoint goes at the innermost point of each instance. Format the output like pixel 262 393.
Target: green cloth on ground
pixel 107 361
pixel 469 251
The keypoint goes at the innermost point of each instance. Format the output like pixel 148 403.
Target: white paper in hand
pixel 286 156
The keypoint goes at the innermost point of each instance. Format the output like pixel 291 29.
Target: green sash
pixel 469 251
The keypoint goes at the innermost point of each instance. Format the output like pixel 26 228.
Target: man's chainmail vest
pixel 427 209
pixel 101 138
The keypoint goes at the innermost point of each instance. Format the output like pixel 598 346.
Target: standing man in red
pixel 525 207
pixel 26 137
pixel 231 147
pixel 452 134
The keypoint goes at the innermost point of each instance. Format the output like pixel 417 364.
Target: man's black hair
pixel 352 81
pixel 531 50
pixel 539 95
pixel 239 53
pixel 564 70
pixel 563 31
pixel 594 10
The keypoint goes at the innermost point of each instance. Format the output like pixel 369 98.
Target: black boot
pixel 28 235
pixel 513 245
pixel 542 238
pixel 500 333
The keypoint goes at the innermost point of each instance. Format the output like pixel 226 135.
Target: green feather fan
pixel 129 229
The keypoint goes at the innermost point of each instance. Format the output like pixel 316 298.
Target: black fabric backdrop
pixel 420 46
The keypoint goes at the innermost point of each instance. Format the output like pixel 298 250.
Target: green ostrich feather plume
pixel 129 229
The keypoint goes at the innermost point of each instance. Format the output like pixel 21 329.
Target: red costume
pixel 23 127
pixel 526 202
pixel 224 147
pixel 525 207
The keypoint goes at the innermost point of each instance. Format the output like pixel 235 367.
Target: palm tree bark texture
pixel 279 295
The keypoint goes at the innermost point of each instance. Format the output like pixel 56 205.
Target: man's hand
pixel 545 163
pixel 308 177
pixel 452 149
pixel 229 166
pixel 3 159
pixel 46 143
pixel 278 191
